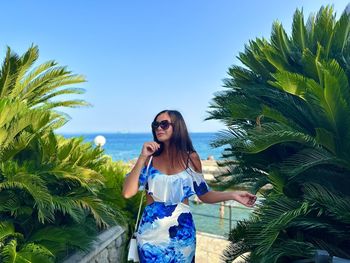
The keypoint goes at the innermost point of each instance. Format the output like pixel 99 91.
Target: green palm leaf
pixel 30 253
pixel 299 32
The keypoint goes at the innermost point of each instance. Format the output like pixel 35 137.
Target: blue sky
pixel 141 57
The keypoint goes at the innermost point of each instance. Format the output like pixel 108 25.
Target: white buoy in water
pixel 100 140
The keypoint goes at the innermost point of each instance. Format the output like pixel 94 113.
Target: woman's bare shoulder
pixel 195 162
pixel 194 156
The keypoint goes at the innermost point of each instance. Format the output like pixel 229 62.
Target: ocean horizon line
pixel 126 146
pixel 121 132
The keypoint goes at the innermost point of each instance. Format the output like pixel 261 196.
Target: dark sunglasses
pixel 163 124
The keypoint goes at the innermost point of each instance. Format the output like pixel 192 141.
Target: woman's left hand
pixel 245 198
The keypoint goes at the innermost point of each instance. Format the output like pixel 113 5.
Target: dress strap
pixel 138 214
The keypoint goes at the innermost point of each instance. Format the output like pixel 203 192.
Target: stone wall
pixel 209 247
pixel 109 247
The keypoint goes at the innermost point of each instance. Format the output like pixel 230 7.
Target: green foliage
pixel 38 86
pixel 56 194
pixel 28 253
pixel 111 193
pixel 287 112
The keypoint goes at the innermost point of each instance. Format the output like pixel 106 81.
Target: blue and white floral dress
pixel 167 232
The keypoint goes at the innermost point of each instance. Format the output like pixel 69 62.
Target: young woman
pixel 166 232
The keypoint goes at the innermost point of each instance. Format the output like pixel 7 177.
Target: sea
pixel 127 146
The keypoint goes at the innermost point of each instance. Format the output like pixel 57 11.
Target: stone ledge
pixel 103 241
pixel 211 235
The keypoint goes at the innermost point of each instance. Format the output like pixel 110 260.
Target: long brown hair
pixel 180 145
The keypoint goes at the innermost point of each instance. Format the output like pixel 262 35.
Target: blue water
pixel 127 146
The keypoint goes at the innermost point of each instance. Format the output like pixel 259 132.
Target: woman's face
pixel 163 135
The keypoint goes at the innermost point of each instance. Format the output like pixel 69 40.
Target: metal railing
pixel 222 205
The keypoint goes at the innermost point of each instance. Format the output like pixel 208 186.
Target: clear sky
pixel 141 57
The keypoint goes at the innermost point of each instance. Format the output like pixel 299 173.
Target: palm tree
pixel 37 86
pixel 50 187
pixel 287 112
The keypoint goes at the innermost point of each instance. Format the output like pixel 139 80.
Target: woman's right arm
pixel 131 183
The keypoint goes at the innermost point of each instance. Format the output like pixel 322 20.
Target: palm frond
pixel 299 32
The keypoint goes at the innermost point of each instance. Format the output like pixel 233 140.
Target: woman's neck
pixel 166 147
pixel 167 152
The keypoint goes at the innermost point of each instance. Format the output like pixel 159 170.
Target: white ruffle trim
pixel 173 189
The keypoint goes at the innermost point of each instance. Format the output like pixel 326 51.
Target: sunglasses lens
pixel 155 125
pixel 164 125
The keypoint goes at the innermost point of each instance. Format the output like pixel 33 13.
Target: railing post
pixel 230 216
